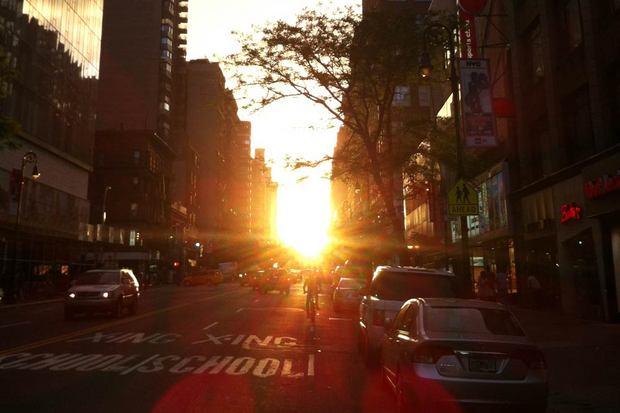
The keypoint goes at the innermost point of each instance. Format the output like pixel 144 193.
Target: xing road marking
pixel 136 363
pixel 210 325
pixel 21 323
pixel 74 334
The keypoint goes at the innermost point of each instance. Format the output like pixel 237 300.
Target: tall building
pixel 566 193
pixel 264 193
pixel 223 143
pixel 53 50
pixel 142 68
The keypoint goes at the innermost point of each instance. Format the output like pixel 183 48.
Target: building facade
pixel 53 51
pixel 137 139
pixel 567 96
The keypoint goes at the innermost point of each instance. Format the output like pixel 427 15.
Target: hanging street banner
pixel 477 104
pixel 463 200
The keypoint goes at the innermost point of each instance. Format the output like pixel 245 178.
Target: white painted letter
pixel 266 367
pixel 180 366
pixel 215 363
pixel 246 364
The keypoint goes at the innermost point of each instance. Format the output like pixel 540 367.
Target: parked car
pixel 103 290
pixel 203 277
pixel 276 279
pixel 455 354
pixel 389 288
pixel 348 294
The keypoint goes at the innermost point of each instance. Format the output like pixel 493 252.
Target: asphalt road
pixel 198 349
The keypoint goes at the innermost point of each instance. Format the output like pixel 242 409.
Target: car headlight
pixel 72 295
pixel 105 294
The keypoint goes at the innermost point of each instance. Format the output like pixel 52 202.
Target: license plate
pixel 482 365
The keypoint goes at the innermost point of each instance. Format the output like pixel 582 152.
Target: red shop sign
pixel 602 185
pixel 570 212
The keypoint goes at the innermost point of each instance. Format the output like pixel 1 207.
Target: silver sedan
pixel 449 355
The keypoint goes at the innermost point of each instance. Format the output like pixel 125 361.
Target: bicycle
pixel 311 307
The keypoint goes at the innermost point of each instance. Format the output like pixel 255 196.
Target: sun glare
pixel 303 216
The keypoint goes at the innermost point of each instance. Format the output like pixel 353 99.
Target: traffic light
pixel 176 264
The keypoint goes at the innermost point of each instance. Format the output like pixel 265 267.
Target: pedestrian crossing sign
pixel 463 199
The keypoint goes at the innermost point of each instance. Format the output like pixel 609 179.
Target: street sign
pixel 463 199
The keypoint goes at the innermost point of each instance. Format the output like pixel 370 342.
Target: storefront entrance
pixel 581 259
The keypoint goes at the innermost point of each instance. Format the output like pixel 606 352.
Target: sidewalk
pixel 583 358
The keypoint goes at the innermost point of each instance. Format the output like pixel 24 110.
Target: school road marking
pixel 68 336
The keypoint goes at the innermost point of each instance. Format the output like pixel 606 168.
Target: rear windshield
pixel 401 286
pixel 470 321
pixel 103 277
pixel 350 283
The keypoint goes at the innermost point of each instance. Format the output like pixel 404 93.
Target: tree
pixel 352 67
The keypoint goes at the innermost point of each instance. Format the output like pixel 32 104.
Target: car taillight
pixel 378 317
pixel 534 359
pixel 429 354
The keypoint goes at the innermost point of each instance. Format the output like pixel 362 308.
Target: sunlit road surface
pixel 198 349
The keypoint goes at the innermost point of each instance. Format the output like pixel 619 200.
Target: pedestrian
pixel 535 291
pixel 501 281
pixel 486 285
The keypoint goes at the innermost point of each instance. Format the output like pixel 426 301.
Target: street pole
pixel 454 84
pixel 103 206
pixel 29 157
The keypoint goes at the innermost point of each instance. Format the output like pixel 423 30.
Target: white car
pixel 103 290
pixel 389 289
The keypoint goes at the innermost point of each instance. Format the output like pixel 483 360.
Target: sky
pixel 296 128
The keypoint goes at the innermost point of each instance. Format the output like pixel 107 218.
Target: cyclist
pixel 311 289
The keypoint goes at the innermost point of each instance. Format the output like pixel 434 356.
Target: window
pixel 136 157
pixel 400 286
pixel 134 209
pixel 615 4
pixel 470 321
pixel 579 140
pixel 572 23
pixel 135 180
pixel 402 96
pixel 537 65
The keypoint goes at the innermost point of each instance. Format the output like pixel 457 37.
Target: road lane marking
pixel 21 323
pixel 210 325
pixel 68 336
pixel 239 310
pixel 311 365
pixel 339 319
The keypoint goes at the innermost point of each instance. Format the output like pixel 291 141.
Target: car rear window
pixel 470 321
pixel 100 277
pixel 401 286
pixel 350 283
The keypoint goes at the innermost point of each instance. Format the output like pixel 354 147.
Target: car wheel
pixel 69 314
pixel 118 309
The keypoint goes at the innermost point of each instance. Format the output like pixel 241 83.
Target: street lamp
pixel 28 158
pixel 426 69
pixel 103 206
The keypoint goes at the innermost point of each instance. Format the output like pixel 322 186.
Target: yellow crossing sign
pixel 463 199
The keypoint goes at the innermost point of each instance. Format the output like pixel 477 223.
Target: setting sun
pixel 303 216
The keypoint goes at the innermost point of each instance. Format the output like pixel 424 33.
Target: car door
pixel 391 343
pixel 408 340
